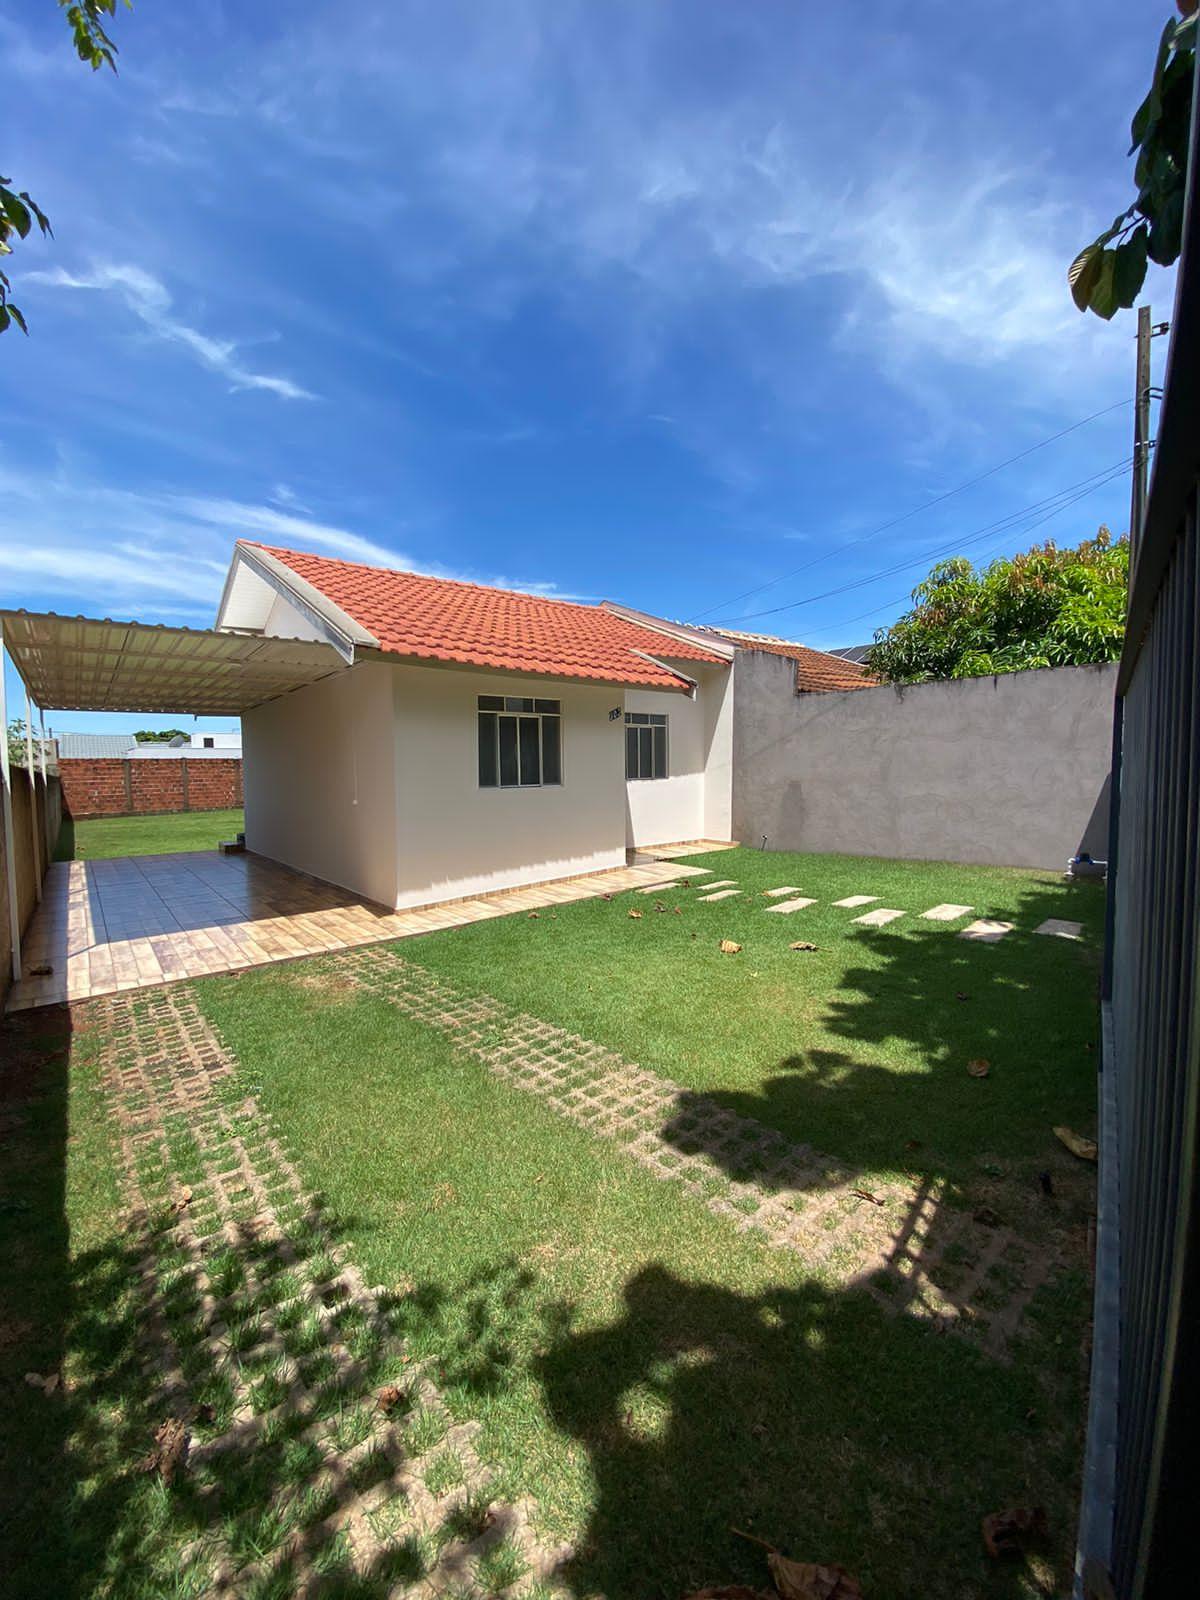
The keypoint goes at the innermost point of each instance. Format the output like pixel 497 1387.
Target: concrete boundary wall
pixel 47 797
pixel 1010 770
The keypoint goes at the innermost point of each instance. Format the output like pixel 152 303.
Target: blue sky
pixel 649 301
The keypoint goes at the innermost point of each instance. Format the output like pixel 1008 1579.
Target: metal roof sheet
pixel 94 664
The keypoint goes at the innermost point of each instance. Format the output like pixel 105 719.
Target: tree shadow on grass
pixel 807 1418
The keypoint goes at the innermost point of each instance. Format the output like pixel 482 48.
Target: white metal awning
pixel 95 664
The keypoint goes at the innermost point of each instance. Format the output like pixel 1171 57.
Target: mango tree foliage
pixel 18 209
pixel 1046 608
pixel 1107 275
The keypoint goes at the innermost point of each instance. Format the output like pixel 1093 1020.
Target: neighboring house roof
pixel 93 746
pixel 851 652
pixel 155 750
pixel 817 671
pixel 442 619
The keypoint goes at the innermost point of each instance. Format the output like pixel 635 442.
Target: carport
pixel 97 664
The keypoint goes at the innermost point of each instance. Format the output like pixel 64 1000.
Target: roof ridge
pixel 428 577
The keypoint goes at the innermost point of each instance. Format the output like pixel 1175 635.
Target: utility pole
pixel 1141 432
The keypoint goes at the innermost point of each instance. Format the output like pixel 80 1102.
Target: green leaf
pixel 16 212
pixel 17 316
pixel 1083 272
pixel 1103 299
pixel 1129 266
pixel 1166 230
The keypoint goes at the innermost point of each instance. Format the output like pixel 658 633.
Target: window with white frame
pixel 645 745
pixel 520 742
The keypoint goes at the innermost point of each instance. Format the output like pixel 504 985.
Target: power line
pixel 900 599
pixel 1058 501
pixel 904 517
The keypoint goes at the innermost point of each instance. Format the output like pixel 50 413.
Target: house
pixel 189 747
pixel 817 671
pixel 479 738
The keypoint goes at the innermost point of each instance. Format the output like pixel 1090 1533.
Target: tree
pixel 19 212
pixel 1046 608
pixel 1108 274
pixel 159 736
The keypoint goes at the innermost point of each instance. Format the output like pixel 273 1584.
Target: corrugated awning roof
pixel 93 664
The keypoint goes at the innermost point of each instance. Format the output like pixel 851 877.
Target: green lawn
pixel 651 1376
pixel 103 837
pixel 860 1047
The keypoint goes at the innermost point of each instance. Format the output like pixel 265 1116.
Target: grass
pixel 104 837
pixel 649 1375
pixel 859 1048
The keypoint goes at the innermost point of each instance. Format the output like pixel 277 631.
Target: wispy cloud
pixel 149 300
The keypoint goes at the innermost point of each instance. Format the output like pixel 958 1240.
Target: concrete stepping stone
pixel 986 931
pixel 877 918
pixel 798 904
pixel 721 894
pixel 946 913
pixel 857 900
pixel 787 888
pixel 1059 928
pixel 662 888
pixel 722 883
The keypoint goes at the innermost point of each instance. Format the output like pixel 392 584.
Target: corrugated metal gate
pixel 1136 1538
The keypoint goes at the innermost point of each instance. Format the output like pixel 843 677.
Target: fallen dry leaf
pixel 811 1580
pixel 987 1217
pixel 636 915
pixel 1085 1149
pixel 803 944
pixel 1005 1532
pixel 979 1068
pixel 171 1442
pixel 729 948
pixel 182 1200
pixel 47 1385
pixel 959 995
pixel 678 910
pixel 535 916
pixel 389 1397
pixel 865 1194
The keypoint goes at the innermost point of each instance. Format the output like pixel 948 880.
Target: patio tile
pixel 877 918
pixel 857 900
pixel 787 888
pixel 721 894
pixel 798 904
pixel 945 913
pixel 986 931
pixel 1059 928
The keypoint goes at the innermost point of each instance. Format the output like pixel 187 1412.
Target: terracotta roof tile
pixel 816 671
pixel 440 619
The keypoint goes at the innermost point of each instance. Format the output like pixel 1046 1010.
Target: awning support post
pixel 34 830
pixel 10 844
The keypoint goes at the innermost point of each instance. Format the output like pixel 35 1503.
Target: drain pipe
pixel 10 844
pixel 35 842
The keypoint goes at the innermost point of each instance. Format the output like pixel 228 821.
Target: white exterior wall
pixel 319 772
pixel 284 621
pixel 695 800
pixel 457 839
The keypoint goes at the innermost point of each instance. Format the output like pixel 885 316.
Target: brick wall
pixel 113 787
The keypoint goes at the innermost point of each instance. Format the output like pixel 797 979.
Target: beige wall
pixel 457 839
pixel 694 801
pixel 319 771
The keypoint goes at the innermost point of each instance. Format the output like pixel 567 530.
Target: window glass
pixel 660 752
pixel 550 708
pixel 529 741
pixel 645 753
pixel 508 752
pixel 631 753
pixel 518 702
pixel 489 767
pixel 551 749
pixel 491 702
